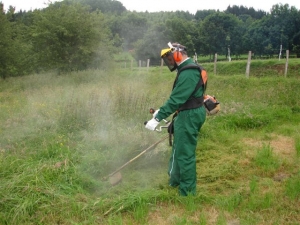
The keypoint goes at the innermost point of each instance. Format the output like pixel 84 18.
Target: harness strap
pixel 192 102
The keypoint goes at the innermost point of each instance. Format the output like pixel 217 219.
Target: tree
pixel 13 52
pixel 278 28
pixel 5 44
pixel 214 31
pixel 296 44
pixel 105 6
pixel 133 27
pixel 184 32
pixel 150 46
pixel 69 38
pixel 242 10
pixel 202 14
pixel 256 37
pixel 285 21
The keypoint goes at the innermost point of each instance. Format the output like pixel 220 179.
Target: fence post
pixel 248 65
pixel 286 63
pixel 131 64
pixel 215 63
pixel 140 64
pixel 148 63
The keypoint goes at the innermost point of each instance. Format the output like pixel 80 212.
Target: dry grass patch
pixel 282 146
pixel 166 214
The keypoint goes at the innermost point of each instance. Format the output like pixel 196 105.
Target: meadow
pixel 60 135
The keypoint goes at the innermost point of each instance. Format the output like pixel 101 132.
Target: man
pixel 186 101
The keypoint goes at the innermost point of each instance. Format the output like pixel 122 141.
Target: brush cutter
pixel 116 177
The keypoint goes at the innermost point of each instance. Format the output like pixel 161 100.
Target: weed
pixel 230 203
pixel 266 159
pixel 293 187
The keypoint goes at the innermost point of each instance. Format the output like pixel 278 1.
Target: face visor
pixel 167 56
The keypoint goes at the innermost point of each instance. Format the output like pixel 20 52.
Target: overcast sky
pixel 166 5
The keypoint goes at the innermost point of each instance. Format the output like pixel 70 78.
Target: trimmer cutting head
pixel 115 179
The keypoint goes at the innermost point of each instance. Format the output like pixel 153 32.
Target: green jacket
pixel 184 87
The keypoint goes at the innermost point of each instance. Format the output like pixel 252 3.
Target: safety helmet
pixel 167 55
pixel 172 55
pixel 165 52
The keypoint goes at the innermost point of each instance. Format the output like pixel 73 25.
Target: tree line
pixel 76 35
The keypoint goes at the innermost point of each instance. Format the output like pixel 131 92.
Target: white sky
pixel 165 5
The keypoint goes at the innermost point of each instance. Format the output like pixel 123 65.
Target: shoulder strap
pixel 193 102
pixel 203 76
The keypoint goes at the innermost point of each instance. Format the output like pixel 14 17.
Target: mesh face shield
pixel 167 56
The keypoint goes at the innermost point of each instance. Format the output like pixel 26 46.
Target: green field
pixel 60 135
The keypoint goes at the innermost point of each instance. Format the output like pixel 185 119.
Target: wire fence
pixel 146 64
pixel 202 59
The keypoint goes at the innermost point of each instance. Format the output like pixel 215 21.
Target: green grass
pixel 60 135
pixel 259 68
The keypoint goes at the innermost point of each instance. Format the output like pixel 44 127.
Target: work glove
pixel 152 124
pixel 155 113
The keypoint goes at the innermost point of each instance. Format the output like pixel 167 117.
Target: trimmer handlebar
pixel 152 110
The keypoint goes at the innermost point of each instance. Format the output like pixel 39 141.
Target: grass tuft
pixel 266 159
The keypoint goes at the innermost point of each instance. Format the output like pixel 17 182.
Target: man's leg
pixel 173 168
pixel 187 127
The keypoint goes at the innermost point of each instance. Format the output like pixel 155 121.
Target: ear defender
pixel 177 55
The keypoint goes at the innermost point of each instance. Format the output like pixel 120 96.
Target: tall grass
pixel 60 135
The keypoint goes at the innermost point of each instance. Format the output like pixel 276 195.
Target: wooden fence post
pixel 148 63
pixel 286 63
pixel 215 63
pixel 248 65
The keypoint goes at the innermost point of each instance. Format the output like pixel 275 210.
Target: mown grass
pixel 60 135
